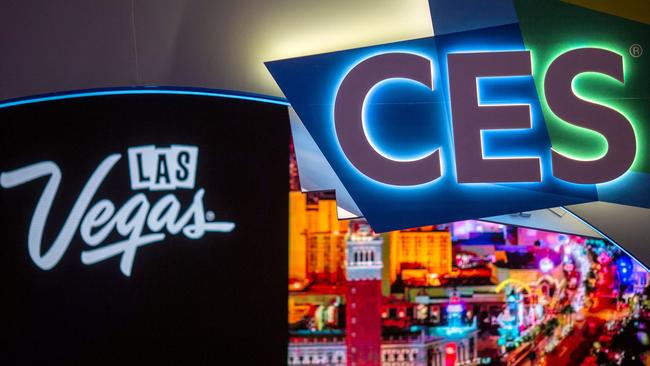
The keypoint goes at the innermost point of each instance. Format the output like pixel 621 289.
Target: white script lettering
pixel 98 222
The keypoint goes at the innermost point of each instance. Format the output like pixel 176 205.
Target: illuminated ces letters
pixel 154 169
pixel 348 117
pixel 469 118
pixel 611 124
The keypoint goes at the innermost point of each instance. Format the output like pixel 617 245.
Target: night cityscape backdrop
pixel 463 293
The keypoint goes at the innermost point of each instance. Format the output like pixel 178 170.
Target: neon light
pixel 364 119
pixel 472 115
pixel 335 91
pixel 551 280
pixel 530 119
pixel 455 331
pixel 83 94
pixel 591 145
pixel 513 281
pixel 420 156
pixel 315 106
pixel 584 92
pixel 454 308
pixel 349 115
pixel 545 265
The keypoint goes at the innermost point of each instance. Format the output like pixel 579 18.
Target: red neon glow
pixel 450 354
pixel 450 350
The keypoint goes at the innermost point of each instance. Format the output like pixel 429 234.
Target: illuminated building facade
pixel 325 257
pixel 427 333
pixel 492 279
pixel 316 237
pixel 425 350
pixel 363 311
pixel 424 248
pixel 324 351
pixel 408 349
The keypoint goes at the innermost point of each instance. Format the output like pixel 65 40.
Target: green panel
pixel 550 28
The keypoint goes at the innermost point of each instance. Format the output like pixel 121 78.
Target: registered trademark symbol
pixel 636 50
pixel 209 216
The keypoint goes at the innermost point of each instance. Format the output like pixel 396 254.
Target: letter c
pixel 348 119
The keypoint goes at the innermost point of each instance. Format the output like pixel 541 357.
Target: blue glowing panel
pixel 405 120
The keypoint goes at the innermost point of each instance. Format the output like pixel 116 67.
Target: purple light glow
pixel 546 265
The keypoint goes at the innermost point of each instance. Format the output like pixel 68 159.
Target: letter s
pixel 611 124
pixel 348 119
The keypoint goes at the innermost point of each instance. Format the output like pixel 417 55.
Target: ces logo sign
pixel 482 119
pixel 469 118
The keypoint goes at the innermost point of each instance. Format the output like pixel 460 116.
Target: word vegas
pixel 155 169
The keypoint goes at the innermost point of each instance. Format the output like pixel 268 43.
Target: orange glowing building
pixel 425 247
pixel 316 239
pixel 325 257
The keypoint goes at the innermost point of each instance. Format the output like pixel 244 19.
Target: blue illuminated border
pixel 144 90
pixel 608 238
